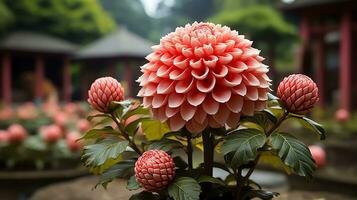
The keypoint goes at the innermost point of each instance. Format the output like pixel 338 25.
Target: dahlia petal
pixel 225 58
pixel 260 105
pixel 152 57
pixel 222 115
pixel 248 108
pixel 236 53
pixel 153 78
pixel 240 89
pixel 220 71
pixel 147 101
pixel 199 52
pixel 176 100
pixel 250 79
pixel 150 89
pixel 211 61
pixel 200 74
pixel 187 52
pixel 184 86
pixel 233 120
pixel 195 42
pixel 230 43
pixel 208 49
pixel 252 93
pixel 165 86
pixel 200 115
pixel 207 84
pixel 179 74
pixel 235 104
pixel 196 64
pixel 238 67
pixel 195 97
pixel 181 62
pixel 159 114
pixel 163 71
pixel 221 94
pixel 249 52
pixel 159 100
pixel 232 79
pixel 171 111
pixel 167 59
pixel 176 122
pixel 213 123
pixel 210 105
pixel 187 111
pixel 194 127
pixel 220 48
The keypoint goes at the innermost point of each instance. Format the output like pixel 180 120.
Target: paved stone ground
pixel 81 189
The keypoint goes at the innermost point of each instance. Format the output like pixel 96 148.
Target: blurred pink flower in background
pixel 103 91
pixel 319 155
pixel 27 111
pixel 4 136
pixel 298 93
pixel 61 118
pixel 342 115
pixel 17 133
pixel 83 125
pixel 70 108
pixel 71 139
pixel 6 113
pixel 51 133
pixel 204 75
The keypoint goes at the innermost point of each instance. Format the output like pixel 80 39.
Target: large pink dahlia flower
pixel 204 75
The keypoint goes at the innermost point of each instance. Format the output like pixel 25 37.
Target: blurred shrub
pixel 76 20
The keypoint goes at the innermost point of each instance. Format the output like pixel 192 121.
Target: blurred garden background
pixel 52 50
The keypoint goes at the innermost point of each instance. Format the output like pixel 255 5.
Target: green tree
pixel 6 16
pixel 265 26
pixel 76 20
pixel 129 13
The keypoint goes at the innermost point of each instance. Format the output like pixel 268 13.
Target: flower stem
pixel 126 135
pixel 189 152
pixel 208 152
pixel 255 162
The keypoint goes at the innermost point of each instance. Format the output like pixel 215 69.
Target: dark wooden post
pixel 6 78
pixel 345 62
pixel 128 76
pixel 320 68
pixel 39 74
pixel 67 82
pixel 305 37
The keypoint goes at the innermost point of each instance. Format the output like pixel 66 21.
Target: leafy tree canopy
pixel 76 20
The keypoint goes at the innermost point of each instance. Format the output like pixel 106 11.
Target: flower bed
pixel 43 137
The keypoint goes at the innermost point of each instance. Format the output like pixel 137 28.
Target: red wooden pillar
pixel 345 62
pixel 6 78
pixel 320 68
pixel 39 74
pixel 305 37
pixel 67 82
pixel 128 76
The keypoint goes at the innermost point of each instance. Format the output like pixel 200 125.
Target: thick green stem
pixel 126 135
pixel 208 152
pixel 189 153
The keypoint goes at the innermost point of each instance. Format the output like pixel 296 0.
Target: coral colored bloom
pixel 83 125
pixel 298 93
pixel 342 115
pixel 17 133
pixel 154 170
pixel 204 75
pixel 51 133
pixel 4 136
pixel 318 154
pixel 103 91
pixel 72 141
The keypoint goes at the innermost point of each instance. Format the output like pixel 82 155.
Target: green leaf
pixel 90 118
pixel 123 169
pixel 272 97
pixel 293 153
pixel 144 196
pixel 312 125
pixel 105 152
pixel 210 179
pixel 154 129
pixel 166 145
pixel 184 188
pixel 180 163
pixel 140 110
pixel 243 145
pixel 132 127
pixel 96 133
pixel 132 184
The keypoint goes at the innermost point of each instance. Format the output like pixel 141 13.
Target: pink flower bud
pixel 319 155
pixel 17 133
pixel 71 139
pixel 51 133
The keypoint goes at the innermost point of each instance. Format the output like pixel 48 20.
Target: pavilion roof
pixel 36 42
pixel 121 43
pixel 299 4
